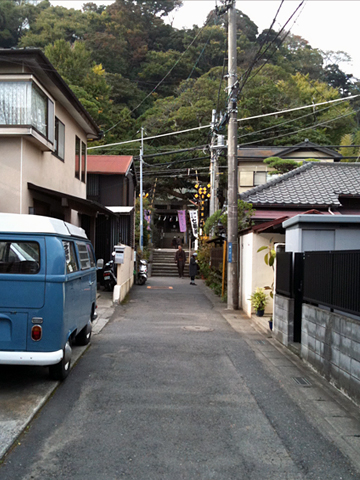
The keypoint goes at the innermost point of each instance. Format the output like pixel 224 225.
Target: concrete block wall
pixel 331 344
pixel 283 321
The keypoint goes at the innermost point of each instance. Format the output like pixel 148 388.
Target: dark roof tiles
pixel 315 183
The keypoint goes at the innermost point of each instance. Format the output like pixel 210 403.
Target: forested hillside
pixel 130 70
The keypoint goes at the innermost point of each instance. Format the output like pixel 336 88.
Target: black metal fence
pixel 284 274
pixel 333 279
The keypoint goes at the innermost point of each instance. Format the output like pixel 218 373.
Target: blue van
pixel 47 291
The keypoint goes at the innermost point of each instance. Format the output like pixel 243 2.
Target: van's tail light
pixel 36 333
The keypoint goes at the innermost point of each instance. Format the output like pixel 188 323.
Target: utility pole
pixel 232 223
pixel 141 191
pixel 213 166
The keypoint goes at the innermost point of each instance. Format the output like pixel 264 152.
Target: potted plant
pixel 259 300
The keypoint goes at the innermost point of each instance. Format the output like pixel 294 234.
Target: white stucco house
pixel 44 130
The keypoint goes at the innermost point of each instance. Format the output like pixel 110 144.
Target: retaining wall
pixel 331 344
pixel 283 321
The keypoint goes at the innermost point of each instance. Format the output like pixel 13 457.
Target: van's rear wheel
pixel 84 336
pixel 61 370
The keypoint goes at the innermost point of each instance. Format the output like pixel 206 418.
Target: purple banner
pixel 182 220
pixel 147 217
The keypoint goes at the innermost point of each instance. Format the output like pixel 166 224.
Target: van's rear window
pixel 19 257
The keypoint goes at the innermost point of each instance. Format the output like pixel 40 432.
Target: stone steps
pixel 163 264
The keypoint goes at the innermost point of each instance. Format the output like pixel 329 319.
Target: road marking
pixel 161 288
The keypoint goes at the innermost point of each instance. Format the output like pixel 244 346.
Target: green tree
pixel 54 23
pixel 218 221
pixel 15 18
pixel 281 165
pixel 87 80
pixel 347 141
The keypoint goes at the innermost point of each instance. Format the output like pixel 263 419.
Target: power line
pixel 297 108
pixel 302 129
pixel 260 54
pixel 284 123
pixel 178 161
pixel 239 120
pixel 150 138
pixel 162 80
pixel 282 41
pixel 199 147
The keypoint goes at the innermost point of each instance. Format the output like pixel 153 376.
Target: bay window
pixel 24 103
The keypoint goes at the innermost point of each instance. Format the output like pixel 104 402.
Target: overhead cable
pixel 162 80
pixel 239 120
pixel 302 129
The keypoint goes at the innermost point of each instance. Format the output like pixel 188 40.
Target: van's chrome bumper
pixel 31 358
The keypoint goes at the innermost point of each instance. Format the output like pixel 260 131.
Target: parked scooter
pixel 142 273
pixel 109 276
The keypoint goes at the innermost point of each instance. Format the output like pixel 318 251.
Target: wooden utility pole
pixel 141 242
pixel 232 224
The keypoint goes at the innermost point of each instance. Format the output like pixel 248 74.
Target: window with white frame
pixel 23 103
pixel 260 178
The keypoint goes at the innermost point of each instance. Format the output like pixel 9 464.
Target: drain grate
pixel 303 381
pixel 261 342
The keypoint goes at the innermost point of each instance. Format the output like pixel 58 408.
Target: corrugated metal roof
pixel 109 164
pixel 314 184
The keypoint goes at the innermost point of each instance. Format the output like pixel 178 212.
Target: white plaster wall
pixel 347 239
pixel 10 157
pixel 255 166
pixel 47 170
pixel 321 238
pixel 255 273
pixel 311 154
pixel 125 275
pixel 293 240
pixel 21 161
pixel 245 284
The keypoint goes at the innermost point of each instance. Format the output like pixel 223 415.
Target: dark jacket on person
pixel 193 267
pixel 180 256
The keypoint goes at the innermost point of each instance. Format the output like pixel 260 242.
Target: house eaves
pixel 249 154
pixel 81 204
pixel 38 64
pixel 306 145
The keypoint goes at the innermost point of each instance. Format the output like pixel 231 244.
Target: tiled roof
pixel 259 151
pixel 313 184
pixel 109 164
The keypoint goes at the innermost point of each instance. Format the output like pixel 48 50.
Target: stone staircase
pixel 163 264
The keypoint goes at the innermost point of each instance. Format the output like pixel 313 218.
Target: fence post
pixel 298 282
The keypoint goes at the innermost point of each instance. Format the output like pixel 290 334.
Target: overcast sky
pixel 326 24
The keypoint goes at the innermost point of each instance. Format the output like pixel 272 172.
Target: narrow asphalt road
pixel 169 391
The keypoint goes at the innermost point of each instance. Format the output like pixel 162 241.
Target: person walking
pixel 180 259
pixel 174 242
pixel 193 268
